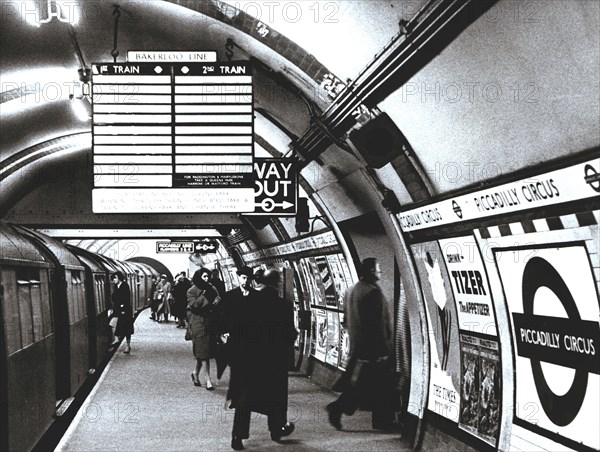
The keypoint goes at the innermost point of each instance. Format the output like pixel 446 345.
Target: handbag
pixel 113 322
pixel 188 334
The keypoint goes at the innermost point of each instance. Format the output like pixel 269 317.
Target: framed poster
pixel 321 334
pixel 326 279
pixel 480 395
pixel 344 344
pixel 442 323
pixel 333 338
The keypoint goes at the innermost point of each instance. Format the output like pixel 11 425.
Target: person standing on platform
pixel 264 332
pixel 161 296
pixel 151 298
pixel 233 303
pixel 217 282
pixel 367 319
pixel 180 288
pixel 122 310
pixel 202 301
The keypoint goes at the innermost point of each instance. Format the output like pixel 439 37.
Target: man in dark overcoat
pixel 227 312
pixel 367 320
pixel 179 290
pixel 121 309
pixel 262 337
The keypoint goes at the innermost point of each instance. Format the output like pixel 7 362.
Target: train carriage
pixel 27 341
pixel 97 287
pixel 70 313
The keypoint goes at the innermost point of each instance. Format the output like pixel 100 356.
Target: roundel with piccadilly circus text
pixel 567 342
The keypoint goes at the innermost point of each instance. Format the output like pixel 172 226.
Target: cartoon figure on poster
pixel 442 316
pixel 442 321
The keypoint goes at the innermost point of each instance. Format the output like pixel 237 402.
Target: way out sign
pixel 275 187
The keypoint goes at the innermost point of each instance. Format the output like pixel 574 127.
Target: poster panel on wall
pixel 296 321
pixel 309 272
pixel 321 334
pixel 333 338
pixel 480 388
pixel 470 285
pixel 344 344
pixel 316 276
pixel 479 347
pixel 326 281
pixel 552 302
pixel 313 333
pixel 339 278
pixel 442 324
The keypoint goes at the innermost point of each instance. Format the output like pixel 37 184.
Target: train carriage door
pixel 60 312
pixel 91 303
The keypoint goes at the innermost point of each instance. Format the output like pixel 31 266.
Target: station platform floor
pixel 146 401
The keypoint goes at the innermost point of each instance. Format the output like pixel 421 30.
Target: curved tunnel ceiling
pixel 40 63
pixel 305 54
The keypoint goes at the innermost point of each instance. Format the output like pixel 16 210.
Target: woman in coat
pixel 121 309
pixel 202 300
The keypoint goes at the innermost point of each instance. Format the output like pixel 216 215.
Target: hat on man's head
pixel 245 270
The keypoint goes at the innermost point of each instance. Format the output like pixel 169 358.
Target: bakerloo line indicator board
pixel 172 137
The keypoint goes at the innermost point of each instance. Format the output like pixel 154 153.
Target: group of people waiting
pixel 255 326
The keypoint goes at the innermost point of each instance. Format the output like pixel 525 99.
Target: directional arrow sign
pixel 275 187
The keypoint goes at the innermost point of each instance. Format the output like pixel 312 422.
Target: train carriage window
pixel 10 307
pixel 36 308
pixel 99 288
pixel 77 295
pixel 24 300
pixel 46 307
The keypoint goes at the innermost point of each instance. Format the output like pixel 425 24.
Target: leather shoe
pixel 286 430
pixel 236 443
pixel 334 415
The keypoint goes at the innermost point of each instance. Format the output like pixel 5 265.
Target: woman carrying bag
pixel 202 326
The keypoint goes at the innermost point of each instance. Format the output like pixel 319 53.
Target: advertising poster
pixel 316 276
pixel 470 285
pixel 304 276
pixel 333 338
pixel 442 323
pixel 321 334
pixel 480 388
pixel 326 281
pixel 313 333
pixel 308 270
pixel 339 279
pixel 479 347
pixel 556 354
pixel 344 344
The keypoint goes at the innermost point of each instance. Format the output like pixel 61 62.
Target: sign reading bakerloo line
pixel 573 183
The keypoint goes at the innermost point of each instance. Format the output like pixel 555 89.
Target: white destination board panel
pixel 173 137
